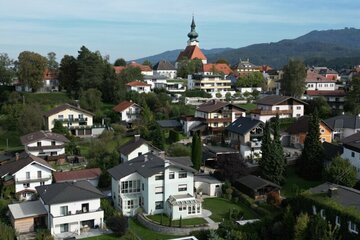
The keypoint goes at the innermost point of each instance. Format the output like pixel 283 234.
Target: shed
pixel 256 187
pixel 208 184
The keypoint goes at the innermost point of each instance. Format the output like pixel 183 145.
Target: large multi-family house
pixel 72 207
pixel 245 134
pixel 26 172
pixel 344 125
pixel 286 107
pixel 139 87
pixel 217 115
pixel 157 185
pixel 245 67
pixel 45 144
pixel 128 111
pixel 216 68
pixel 351 150
pixel 77 120
pixel 165 68
pixel 135 148
pixel 209 83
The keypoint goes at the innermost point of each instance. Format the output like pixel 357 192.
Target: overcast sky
pixel 138 28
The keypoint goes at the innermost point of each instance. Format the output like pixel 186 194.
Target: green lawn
pixel 105 237
pixel 220 208
pixel 295 184
pixel 248 106
pixel 47 100
pixel 13 140
pixel 176 223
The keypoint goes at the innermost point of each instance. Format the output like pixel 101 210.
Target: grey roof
pixel 331 150
pixel 243 125
pixel 25 159
pixel 68 192
pixel 164 65
pixel 255 183
pixel 64 107
pixel 185 160
pixel 146 165
pixel 220 149
pixel 352 142
pixel 213 105
pixel 344 121
pixel 27 209
pixel 132 145
pixel 169 123
pixel 206 178
pixel 42 135
pixel 348 197
pixel 276 99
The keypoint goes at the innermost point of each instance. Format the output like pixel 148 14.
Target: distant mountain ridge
pixel 325 44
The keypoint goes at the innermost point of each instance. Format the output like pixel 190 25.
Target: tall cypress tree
pixel 310 164
pixel 265 150
pixel 196 151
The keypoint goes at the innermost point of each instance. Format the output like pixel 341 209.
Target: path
pixel 206 215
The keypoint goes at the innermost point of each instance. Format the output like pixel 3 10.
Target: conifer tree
pixel 158 138
pixel 196 151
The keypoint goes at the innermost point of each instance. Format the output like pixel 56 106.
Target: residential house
pixel 26 172
pixel 169 124
pixel 344 125
pixel 139 87
pixel 135 148
pixel 45 144
pixel 50 83
pixel 157 185
pixel 351 150
pixel 212 154
pixel 155 81
pixel 165 68
pixel 145 69
pixel 128 111
pixel 245 134
pixel 245 67
pixel 189 123
pixel 72 208
pixel 299 129
pixel 286 107
pixel 327 72
pixel 209 83
pixel 91 175
pixel 218 115
pixel 216 69
pixel 77 120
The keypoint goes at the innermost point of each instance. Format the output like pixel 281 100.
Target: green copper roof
pixel 193 34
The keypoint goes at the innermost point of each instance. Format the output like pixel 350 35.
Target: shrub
pixel 43 234
pixel 109 210
pixel 7 232
pixel 117 224
pixel 178 150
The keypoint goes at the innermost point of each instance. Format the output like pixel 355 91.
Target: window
pixel 26 185
pixel 352 154
pixel 142 186
pixel 71 117
pixel 81 116
pixel 198 208
pixel 159 176
pixel 159 190
pixel 297 115
pixel 130 186
pixel 42 183
pixel 27 175
pixel 171 175
pixel 182 174
pixel 64 210
pixel 322 213
pixel 337 221
pixel 39 174
pixel 130 204
pixel 353 227
pixel 182 208
pixel 53 143
pixel 64 227
pixel 215 124
pixel 298 108
pixel 85 207
pixel 314 210
pixel 322 130
pixel 159 205
pixel 38 144
pixel 182 187
pixel 139 153
pixel 61 117
pixel 277 108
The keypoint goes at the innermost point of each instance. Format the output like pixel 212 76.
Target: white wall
pixel 324 86
pixel 144 148
pixel 132 109
pixel 65 114
pixel 141 89
pixel 355 161
pixel 57 150
pixel 94 205
pixel 33 169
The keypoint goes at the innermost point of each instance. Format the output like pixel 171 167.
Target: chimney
pixel 332 191
pixel 166 163
pixel 137 137
pixel 17 156
pixel 145 158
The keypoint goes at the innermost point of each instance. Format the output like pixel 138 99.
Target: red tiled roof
pixel 137 83
pixel 83 174
pixel 143 68
pixel 192 52
pixel 312 76
pixel 219 67
pixel 50 74
pixel 325 93
pixel 118 69
pixel 122 106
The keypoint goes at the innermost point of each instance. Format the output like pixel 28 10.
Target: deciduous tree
pixel 341 171
pixel 91 100
pixel 293 81
pixel 68 75
pixel 120 62
pixel 7 71
pixel 52 63
pixel 353 97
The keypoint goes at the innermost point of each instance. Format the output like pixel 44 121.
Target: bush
pixel 43 234
pixel 109 210
pixel 7 232
pixel 178 150
pixel 117 224
pixel 118 128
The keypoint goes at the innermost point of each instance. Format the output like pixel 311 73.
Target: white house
pixel 72 207
pixel 207 185
pixel 315 81
pixel 165 68
pixel 136 148
pixel 77 120
pixel 351 150
pixel 128 111
pixel 44 143
pixel 286 107
pixel 139 87
pixel 26 172
pixel 209 83
pixel 157 185
pixel 344 125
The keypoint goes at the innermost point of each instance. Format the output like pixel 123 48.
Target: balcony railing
pixel 73 120
pixel 25 180
pixel 77 212
pixel 271 112
pixel 218 120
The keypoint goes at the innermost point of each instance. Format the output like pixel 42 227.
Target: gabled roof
pixel 191 52
pixel 344 121
pixel 313 77
pixel 50 74
pixel 146 165
pixel 123 106
pixel 138 84
pixel 66 192
pixel 243 125
pixel 25 159
pixel 77 175
pixel 331 150
pixel 213 105
pixel 42 135
pixel 255 183
pixel 132 145
pixel 164 65
pixel 64 107
pixel 143 68
pixel 352 142
pixel 218 67
pixel 27 209
pixel 118 69
pixel 170 123
pixel 276 99
pixel 246 65
pixel 301 125
pixel 338 93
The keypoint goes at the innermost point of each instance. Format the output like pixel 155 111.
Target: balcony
pixel 50 147
pixel 218 120
pixel 255 144
pixel 271 112
pixel 129 114
pixel 71 120
pixel 78 216
pixel 30 180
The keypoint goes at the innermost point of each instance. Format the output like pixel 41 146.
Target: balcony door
pixel 85 207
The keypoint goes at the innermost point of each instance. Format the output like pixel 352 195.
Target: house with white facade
pixel 165 68
pixel 351 150
pixel 209 83
pixel 77 120
pixel 128 111
pixel 286 107
pixel 156 185
pixel 344 125
pixel 44 144
pixel 135 148
pixel 26 172
pixel 139 87
pixel 72 207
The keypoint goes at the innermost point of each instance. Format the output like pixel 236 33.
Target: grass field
pixel 176 223
pixel 248 106
pixel 47 100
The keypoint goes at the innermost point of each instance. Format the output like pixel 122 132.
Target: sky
pixel 138 28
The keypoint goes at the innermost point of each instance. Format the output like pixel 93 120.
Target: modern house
pixel 217 115
pixel 344 125
pixel 77 120
pixel 135 148
pixel 351 150
pixel 209 83
pixel 72 207
pixel 128 111
pixel 165 68
pixel 157 185
pixel 45 144
pixel 91 175
pixel 299 129
pixel 26 172
pixel 139 87
pixel 286 107
pixel 245 134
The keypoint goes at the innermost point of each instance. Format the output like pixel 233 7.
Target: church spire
pixel 193 34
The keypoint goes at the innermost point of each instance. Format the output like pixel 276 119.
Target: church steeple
pixel 193 34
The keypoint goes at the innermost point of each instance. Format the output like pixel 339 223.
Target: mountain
pixel 325 45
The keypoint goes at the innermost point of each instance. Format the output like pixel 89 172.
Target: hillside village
pixel 178 150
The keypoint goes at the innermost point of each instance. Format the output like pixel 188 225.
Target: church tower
pixel 193 35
